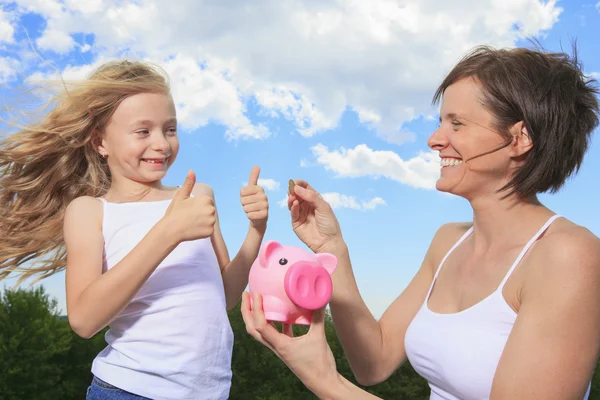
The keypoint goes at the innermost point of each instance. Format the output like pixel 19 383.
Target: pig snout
pixel 308 285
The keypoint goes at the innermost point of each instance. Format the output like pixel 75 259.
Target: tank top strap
pixel 526 248
pixel 462 238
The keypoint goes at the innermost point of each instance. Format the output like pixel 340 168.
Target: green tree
pixel 32 340
pixel 40 355
pixel 42 358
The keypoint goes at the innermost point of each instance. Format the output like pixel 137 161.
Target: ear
pixel 98 143
pixel 328 261
pixel 266 251
pixel 522 142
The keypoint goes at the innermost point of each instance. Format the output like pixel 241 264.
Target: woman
pixel 504 307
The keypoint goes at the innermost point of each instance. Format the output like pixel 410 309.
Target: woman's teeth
pixel 450 162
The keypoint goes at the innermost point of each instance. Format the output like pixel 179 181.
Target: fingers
pixel 266 330
pixel 295 210
pixel 287 330
pixel 249 319
pixel 188 185
pixel 251 191
pixel 254 176
pixel 256 198
pixel 310 196
pixel 317 324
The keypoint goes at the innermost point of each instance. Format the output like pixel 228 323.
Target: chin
pixel 444 186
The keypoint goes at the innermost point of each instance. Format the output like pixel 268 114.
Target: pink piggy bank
pixel 292 281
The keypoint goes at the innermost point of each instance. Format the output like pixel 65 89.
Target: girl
pixel 504 307
pixel 82 189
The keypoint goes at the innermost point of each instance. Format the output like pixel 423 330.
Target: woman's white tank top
pixel 174 340
pixel 458 353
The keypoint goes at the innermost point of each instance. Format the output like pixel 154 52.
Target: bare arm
pixel 375 349
pixel 341 389
pixel 555 343
pixel 93 298
pixel 235 272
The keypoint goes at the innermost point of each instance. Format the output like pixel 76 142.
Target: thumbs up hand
pixel 191 217
pixel 255 202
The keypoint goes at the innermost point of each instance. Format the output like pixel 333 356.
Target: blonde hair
pixel 47 164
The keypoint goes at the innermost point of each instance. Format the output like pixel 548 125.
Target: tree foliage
pixel 41 358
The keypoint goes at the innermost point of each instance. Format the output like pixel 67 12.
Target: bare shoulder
pixel 203 189
pixel 84 206
pixel 447 235
pixel 83 214
pixel 569 253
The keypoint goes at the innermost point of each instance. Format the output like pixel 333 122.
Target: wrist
pixel 258 228
pixel 330 389
pixel 336 246
pixel 168 232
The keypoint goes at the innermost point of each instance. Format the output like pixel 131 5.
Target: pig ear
pixel 328 261
pixel 266 250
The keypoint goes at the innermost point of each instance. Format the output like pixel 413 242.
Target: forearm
pixel 358 331
pixel 235 274
pixel 341 389
pixel 108 295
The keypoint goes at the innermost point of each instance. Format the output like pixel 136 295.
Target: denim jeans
pixel 100 390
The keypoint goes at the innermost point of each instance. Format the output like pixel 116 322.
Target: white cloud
pixel 307 62
pixel 204 94
pixel 8 69
pixel 421 171
pixel 267 184
pixel 7 30
pixel 374 202
pixel 598 6
pixel 56 40
pixel 338 200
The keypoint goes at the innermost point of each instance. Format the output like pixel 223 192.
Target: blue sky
pixel 334 92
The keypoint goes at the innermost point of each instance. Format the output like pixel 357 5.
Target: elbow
pixel 83 330
pixel 231 304
pixel 370 376
pixel 368 380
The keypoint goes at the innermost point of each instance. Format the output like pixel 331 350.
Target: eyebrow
pixel 149 122
pixel 452 116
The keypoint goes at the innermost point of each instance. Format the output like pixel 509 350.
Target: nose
pixel 308 286
pixel 438 139
pixel 161 144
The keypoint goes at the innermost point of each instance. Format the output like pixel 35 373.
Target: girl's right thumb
pixel 188 185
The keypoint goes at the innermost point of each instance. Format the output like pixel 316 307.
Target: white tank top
pixel 174 340
pixel 458 353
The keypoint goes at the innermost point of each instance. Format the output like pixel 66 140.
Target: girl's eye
pixel 143 131
pixel 172 131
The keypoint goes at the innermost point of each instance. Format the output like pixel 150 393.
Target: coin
pixel 291 185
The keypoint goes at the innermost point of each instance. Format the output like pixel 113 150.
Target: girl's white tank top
pixel 174 339
pixel 458 353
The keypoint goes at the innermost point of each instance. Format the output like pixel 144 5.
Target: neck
pixel 499 223
pixel 125 189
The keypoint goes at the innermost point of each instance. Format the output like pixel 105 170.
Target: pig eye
pixel 283 261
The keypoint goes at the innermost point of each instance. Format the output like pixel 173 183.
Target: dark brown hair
pixel 548 92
